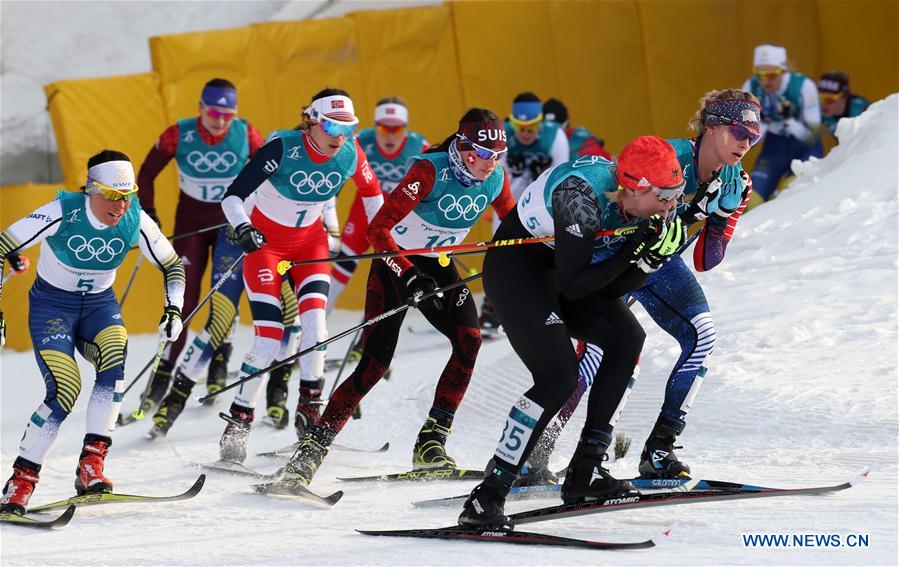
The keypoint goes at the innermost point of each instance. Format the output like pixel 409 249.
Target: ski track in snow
pixel 801 391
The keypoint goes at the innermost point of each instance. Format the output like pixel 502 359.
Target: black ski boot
pixel 658 459
pixel 485 506
pixel 159 385
pixel 233 444
pixel 586 477
pixel 172 406
pixel 217 375
pixel 489 320
pixel 276 396
pixel 309 408
pixel 309 455
pixel 430 446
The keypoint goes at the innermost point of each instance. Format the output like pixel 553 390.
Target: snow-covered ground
pixel 802 390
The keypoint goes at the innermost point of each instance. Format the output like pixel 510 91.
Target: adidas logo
pixel 574 230
pixel 223 101
pixel 554 319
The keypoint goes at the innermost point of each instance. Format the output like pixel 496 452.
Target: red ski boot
pixel 19 487
pixel 89 474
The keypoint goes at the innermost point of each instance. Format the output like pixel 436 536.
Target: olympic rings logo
pixel 464 207
pixel 388 171
pixel 95 249
pixel 315 182
pixel 212 161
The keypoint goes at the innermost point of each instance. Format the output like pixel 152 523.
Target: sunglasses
pixel 739 131
pixel 335 129
pixel 213 113
pixel 110 193
pixel 525 127
pixel 663 194
pixel 768 74
pixel 390 130
pixel 481 151
pixel 830 97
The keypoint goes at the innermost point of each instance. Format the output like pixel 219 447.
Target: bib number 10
pixel 434 241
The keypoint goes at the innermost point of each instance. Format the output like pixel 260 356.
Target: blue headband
pixel 219 96
pixel 734 111
pixel 526 111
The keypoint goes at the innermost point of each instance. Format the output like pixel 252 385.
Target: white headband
pixel 773 55
pixel 336 108
pixel 115 174
pixel 392 111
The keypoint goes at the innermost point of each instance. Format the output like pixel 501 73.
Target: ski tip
pixel 66 516
pixel 334 498
pixel 664 537
pixel 384 448
pixel 199 483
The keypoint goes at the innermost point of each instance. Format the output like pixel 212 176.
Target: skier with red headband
pixel 443 194
pixel 717 191
pixel 388 146
pixel 547 294
pixel 293 176
pixel 209 150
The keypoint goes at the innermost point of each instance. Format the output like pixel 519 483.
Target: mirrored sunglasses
pixel 390 130
pixel 481 151
pixel 662 194
pixel 110 193
pixel 335 129
pixel 768 73
pixel 739 131
pixel 215 113
pixel 830 97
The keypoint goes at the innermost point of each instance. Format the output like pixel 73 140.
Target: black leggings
pixel 457 320
pixel 522 284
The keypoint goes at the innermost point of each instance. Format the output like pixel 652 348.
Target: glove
pixel 151 212
pixel 698 208
pixel 419 284
pixel 539 165
pixel 516 165
pixel 663 239
pixel 19 264
pixel 785 108
pixel 334 243
pixel 250 238
pixel 231 235
pixel 170 325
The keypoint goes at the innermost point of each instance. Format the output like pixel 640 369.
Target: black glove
pixel 151 212
pixel 698 209
pixel 516 164
pixel 539 165
pixel 785 108
pixel 17 263
pixel 419 284
pixel 250 238
pixel 663 240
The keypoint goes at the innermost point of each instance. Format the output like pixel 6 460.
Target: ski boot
pixel 658 459
pixel 489 320
pixel 19 487
pixel 89 478
pixel 159 385
pixel 233 444
pixel 217 375
pixel 309 408
pixel 586 477
pixel 430 446
pixel 172 406
pixel 276 397
pixel 485 506
pixel 309 455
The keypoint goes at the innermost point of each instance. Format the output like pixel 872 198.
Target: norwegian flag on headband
pixel 390 110
pixel 337 104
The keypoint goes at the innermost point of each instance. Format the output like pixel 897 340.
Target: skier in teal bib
pixel 837 101
pixel 84 238
pixel 791 117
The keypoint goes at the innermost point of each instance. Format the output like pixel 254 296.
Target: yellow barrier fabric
pixel 88 115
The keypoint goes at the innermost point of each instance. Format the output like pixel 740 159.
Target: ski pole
pixel 346 358
pixel 338 336
pixel 131 280
pixel 224 277
pixel 443 252
pixel 190 233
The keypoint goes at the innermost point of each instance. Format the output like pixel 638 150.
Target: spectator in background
pixel 791 117
pixel 581 142
pixel 837 101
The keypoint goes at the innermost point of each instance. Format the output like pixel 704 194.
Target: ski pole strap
pixel 337 337
pixel 458 249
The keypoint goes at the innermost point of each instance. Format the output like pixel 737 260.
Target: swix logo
pixel 294 153
pixel 492 135
pixel 270 166
pixel 411 189
pixel 628 500
pixel 392 264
